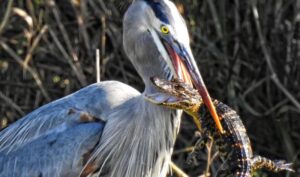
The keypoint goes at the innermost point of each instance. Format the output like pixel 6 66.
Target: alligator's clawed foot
pixel 175 94
pixel 282 165
pixel 272 165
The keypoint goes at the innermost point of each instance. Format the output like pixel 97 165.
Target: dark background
pixel 248 53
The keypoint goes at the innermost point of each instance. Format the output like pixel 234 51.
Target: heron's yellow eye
pixel 164 29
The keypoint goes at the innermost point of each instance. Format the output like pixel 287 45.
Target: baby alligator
pixel 234 145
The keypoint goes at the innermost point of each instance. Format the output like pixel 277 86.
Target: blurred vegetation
pixel 248 53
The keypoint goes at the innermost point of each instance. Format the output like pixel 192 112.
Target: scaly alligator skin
pixel 234 145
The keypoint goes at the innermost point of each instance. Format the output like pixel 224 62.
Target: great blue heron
pixel 108 128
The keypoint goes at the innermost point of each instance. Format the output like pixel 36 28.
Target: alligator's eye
pixel 164 29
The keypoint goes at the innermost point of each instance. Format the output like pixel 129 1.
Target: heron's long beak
pixel 187 70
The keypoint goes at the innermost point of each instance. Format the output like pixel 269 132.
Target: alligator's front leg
pixel 199 146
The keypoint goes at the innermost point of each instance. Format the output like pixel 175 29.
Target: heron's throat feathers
pixel 148 134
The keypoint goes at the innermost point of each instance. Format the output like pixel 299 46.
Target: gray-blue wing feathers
pixel 55 154
pixel 53 138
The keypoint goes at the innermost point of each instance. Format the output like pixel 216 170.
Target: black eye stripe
pixel 159 10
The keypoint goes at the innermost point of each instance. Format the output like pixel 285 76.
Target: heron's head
pixel 156 40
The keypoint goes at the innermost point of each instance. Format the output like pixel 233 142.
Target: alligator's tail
pixel 259 162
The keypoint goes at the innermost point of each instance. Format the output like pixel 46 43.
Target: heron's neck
pixel 161 131
pixel 149 86
pixel 154 67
